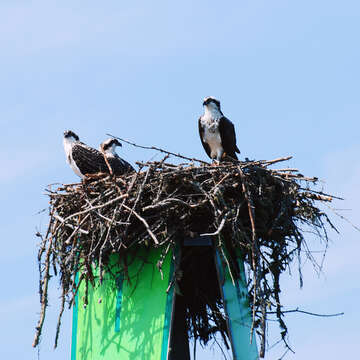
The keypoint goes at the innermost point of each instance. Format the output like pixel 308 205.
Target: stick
pixel 158 149
pixel 59 218
pixel 44 295
pixel 217 232
pixel 270 162
pixel 308 313
pixel 106 160
pixel 144 222
pixel 96 207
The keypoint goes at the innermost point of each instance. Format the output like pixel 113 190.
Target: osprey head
pixel 70 135
pixel 110 144
pixel 211 101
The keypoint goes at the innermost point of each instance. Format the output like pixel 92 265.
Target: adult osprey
pixel 82 158
pixel 118 165
pixel 217 133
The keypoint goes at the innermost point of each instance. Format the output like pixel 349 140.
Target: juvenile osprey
pixel 118 165
pixel 217 133
pixel 82 158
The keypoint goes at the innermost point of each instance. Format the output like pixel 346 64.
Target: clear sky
pixel 286 72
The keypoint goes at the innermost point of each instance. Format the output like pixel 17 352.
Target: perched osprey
pixel 82 158
pixel 217 133
pixel 118 165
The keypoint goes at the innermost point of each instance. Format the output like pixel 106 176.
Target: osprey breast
pixel 213 139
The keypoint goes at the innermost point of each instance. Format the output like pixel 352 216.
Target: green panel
pixel 125 320
pixel 237 310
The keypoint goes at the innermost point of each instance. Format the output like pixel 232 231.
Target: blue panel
pixel 237 309
pixel 74 322
pixel 119 284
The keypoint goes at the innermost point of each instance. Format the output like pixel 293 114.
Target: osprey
pixel 82 158
pixel 217 133
pixel 118 165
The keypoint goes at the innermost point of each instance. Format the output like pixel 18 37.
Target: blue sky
pixel 286 72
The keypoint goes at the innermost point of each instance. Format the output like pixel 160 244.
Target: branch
pixel 161 150
pixel 270 162
pixel 44 300
pixel 307 313
pixel 217 232
pixel 106 159
pixel 156 241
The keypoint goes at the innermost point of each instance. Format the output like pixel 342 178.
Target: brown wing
pixel 119 166
pixel 228 137
pixel 204 144
pixel 88 160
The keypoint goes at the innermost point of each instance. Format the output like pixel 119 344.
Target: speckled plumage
pixel 118 165
pixel 83 159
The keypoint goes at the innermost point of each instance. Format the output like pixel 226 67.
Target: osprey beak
pixel 206 102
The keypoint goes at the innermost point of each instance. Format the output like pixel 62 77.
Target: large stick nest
pixel 246 207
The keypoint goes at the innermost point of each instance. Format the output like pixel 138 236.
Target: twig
pixel 96 207
pixel 60 219
pixel 76 230
pixel 158 149
pixel 270 162
pixel 166 202
pixel 64 290
pixel 144 222
pixel 44 299
pixel 307 313
pixel 217 232
pixel 106 159
pixel 344 218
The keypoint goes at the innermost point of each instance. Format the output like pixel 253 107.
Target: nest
pixel 246 207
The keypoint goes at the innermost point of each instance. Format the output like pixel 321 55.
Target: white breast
pixel 68 147
pixel 212 137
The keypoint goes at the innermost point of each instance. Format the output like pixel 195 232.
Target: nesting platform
pixel 252 213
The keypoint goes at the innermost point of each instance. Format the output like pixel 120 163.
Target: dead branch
pixel 161 150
